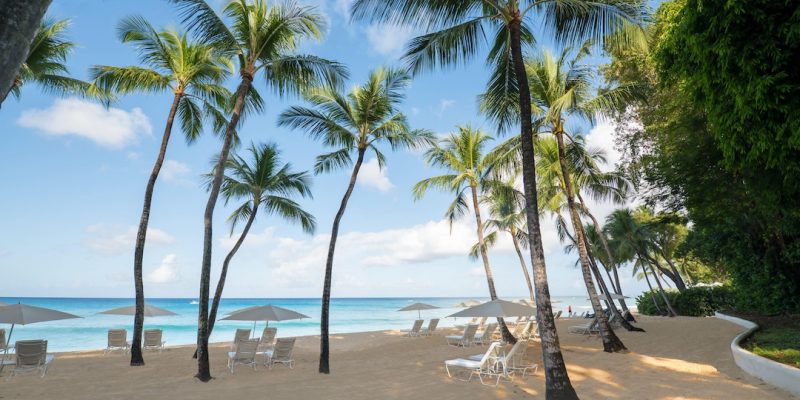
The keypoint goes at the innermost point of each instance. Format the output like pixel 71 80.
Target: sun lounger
pixel 518 329
pixel 558 314
pixel 241 334
pixel 514 360
pixel 3 342
pixel 465 339
pixel 117 340
pixel 427 331
pixel 482 322
pixel 244 354
pixel 529 330
pixel 282 353
pixel 31 356
pixel 486 367
pixel 486 336
pixel 414 331
pixel 267 341
pixel 152 340
pixel 585 329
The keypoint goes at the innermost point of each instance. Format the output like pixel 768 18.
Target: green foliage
pixel 779 343
pixel 693 302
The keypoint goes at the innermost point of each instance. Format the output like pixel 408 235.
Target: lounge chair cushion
pixel 463 363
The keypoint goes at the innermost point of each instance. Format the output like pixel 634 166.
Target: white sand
pixel 679 358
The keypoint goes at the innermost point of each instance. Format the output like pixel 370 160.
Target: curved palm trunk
pixel 141 236
pixel 604 289
pixel 212 315
pixel 324 341
pixel 19 21
pixel 670 311
pixel 557 383
pixel 203 368
pixel 679 282
pixel 611 343
pixel 522 264
pixel 652 296
pixel 507 336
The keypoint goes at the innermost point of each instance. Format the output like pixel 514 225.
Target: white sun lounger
pixel 428 331
pixel 414 331
pixel 244 354
pixel 486 336
pixel 152 340
pixel 513 361
pixel 584 329
pixel 240 335
pixel 31 356
pixel 117 340
pixel 282 353
pixel 486 367
pixel 465 339
pixel 267 341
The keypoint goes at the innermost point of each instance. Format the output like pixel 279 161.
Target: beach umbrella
pixel 497 308
pixel 22 314
pixel 418 307
pixel 614 296
pixel 149 311
pixel 468 303
pixel 264 313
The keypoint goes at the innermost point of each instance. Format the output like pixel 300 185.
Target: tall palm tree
pixel 462 154
pixel 506 215
pixel 193 72
pixel 263 183
pixel 456 29
pixel 262 38
pixel 353 124
pixel 18 24
pixel 46 62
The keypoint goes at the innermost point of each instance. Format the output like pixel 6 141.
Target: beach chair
pixel 3 342
pixel 482 322
pixel 31 356
pixel 428 331
pixel 527 330
pixel 487 367
pixel 519 328
pixel 282 353
pixel 465 339
pixel 585 329
pixel 244 354
pixel 485 337
pixel 152 340
pixel 241 334
pixel 513 361
pixel 558 314
pixel 414 331
pixel 117 340
pixel 267 341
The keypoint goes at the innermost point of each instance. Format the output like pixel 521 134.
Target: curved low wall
pixel 775 373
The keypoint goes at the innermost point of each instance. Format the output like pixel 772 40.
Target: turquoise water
pixel 347 315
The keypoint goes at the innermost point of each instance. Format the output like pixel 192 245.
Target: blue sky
pixel 75 173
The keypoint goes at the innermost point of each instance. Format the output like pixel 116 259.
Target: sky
pixel 75 173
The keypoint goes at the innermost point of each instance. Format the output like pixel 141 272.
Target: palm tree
pixel 193 73
pixel 19 21
pixel 353 124
pixel 462 155
pixel 263 38
pixel 506 215
pixel 46 66
pixel 456 29
pixel 263 184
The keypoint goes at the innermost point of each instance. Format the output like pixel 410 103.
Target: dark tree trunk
pixel 557 382
pixel 652 296
pixel 19 21
pixel 523 265
pixel 670 311
pixel 611 343
pixel 203 367
pixel 141 236
pixel 609 301
pixel 507 336
pixel 679 283
pixel 324 340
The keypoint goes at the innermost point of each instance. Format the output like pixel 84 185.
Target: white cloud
pixel 444 105
pixel 167 272
pixel 371 175
pixel 174 171
pixel 133 155
pixel 388 40
pixel 112 241
pixel 602 136
pixel 342 7
pixel 253 240
pixel 112 128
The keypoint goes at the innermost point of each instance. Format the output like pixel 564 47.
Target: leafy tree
pixel 262 38
pixel 353 124
pixel 193 72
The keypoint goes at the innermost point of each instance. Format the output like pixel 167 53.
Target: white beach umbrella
pixel 497 308
pixel 468 303
pixel 418 307
pixel 264 313
pixel 149 311
pixel 22 314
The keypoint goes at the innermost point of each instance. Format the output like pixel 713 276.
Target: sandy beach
pixel 679 358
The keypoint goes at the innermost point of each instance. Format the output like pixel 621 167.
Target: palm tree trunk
pixel 557 382
pixel 679 283
pixel 507 336
pixel 203 367
pixel 604 288
pixel 212 316
pixel 19 21
pixel 670 311
pixel 522 264
pixel 141 236
pixel 324 340
pixel 652 296
pixel 611 343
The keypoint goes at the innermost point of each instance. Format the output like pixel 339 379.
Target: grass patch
pixel 778 338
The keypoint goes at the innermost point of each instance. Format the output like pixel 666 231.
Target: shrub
pixel 693 302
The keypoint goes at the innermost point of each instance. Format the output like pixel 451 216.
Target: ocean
pixel 347 315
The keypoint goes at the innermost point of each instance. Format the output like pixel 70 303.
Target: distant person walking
pixel 569 310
